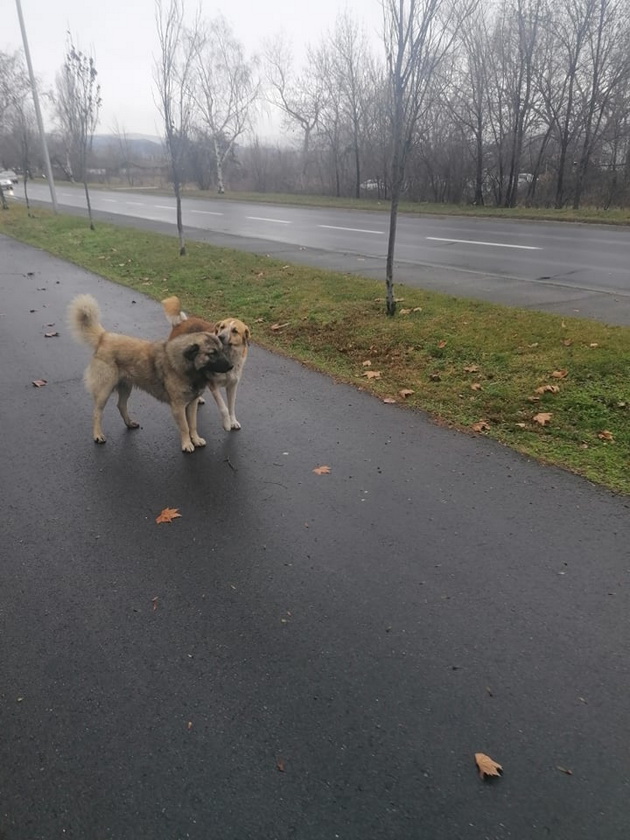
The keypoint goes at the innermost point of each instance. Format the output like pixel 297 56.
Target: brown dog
pixel 175 372
pixel 234 336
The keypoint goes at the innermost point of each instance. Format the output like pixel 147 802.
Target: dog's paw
pixel 198 441
pixel 188 446
pixel 201 401
pixel 132 425
pixel 100 439
pixel 235 425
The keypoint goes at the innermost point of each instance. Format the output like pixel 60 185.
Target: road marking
pixel 491 244
pixel 263 219
pixel 136 203
pixel 352 230
pixel 111 200
pixel 207 212
pixel 163 207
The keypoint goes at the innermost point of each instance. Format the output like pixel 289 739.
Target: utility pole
pixel 38 113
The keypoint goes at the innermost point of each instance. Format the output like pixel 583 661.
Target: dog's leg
pixel 230 390
pixel 179 415
pixel 223 409
pixel 191 416
pixel 124 390
pixel 100 380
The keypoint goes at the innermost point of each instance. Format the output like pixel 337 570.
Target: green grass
pixel 437 346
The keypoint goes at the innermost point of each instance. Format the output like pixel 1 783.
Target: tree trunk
pixel 478 200
pixel 219 161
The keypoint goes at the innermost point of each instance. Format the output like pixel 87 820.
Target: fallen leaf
pixel 154 601
pixel 535 344
pixel 568 342
pixel 533 399
pixel 322 470
pixel 564 770
pixel 372 374
pixel 543 418
pixel 487 766
pixel 39 383
pixel 521 425
pixel 389 400
pixel 405 392
pixel 51 335
pixel 564 326
pixel 594 344
pixel 442 344
pixel 476 386
pixel 560 374
pixel 547 389
pixel 276 327
pixel 605 435
pixel 280 766
pixel 472 369
pixel 405 311
pixel 168 515
pixel 417 309
pixel 435 377
pixel 480 426
pixel 189 726
pixel 367 363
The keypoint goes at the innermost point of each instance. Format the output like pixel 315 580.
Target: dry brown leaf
pixel 367 363
pixel 535 344
pixel 389 400
pixel 480 426
pixel 564 770
pixel 547 389
pixel 51 334
pixel 276 327
pixel 487 766
pixel 521 425
pixel 594 344
pixel 442 344
pixel 189 725
pixel 405 392
pixel 605 435
pixel 435 377
pixel 543 418
pixel 417 309
pixel 322 470
pixel 568 342
pixel 168 515
pixel 533 399
pixel 472 369
pixel 372 374
pixel 560 374
pixel 280 766
pixel 405 311
pixel 476 386
pixel 39 383
pixel 154 601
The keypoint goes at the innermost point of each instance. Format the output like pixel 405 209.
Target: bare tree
pixel 78 105
pixel 225 88
pixel 300 99
pixel 418 36
pixel 172 78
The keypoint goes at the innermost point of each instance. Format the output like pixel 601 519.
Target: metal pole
pixel 38 113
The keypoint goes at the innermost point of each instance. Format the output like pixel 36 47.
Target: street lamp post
pixel 38 113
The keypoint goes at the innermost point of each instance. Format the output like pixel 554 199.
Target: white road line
pixel 162 207
pixel 491 244
pixel 111 200
pixel 263 219
pixel 207 212
pixel 352 230
pixel 136 203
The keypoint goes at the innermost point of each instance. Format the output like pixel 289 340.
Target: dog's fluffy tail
pixel 173 311
pixel 84 317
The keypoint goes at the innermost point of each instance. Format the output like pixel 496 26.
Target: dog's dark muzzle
pixel 218 366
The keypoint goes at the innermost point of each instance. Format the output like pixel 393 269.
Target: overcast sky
pixel 122 37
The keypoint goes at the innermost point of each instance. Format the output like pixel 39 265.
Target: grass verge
pixel 465 362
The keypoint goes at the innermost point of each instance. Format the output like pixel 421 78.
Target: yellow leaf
pixel 476 386
pixel 442 344
pixel 367 363
pixel 322 470
pixel 594 344
pixel 472 369
pixel 480 426
pixel 560 374
pixel 605 435
pixel 405 392
pixel 405 311
pixel 547 389
pixel 167 515
pixel 543 418
pixel 372 374
pixel 487 766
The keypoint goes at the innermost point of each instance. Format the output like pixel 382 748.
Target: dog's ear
pixel 191 352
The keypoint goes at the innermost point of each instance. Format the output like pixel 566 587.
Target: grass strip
pixel 465 362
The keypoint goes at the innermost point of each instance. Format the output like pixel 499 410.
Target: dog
pixel 234 336
pixel 175 371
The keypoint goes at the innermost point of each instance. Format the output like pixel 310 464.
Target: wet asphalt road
pixel 326 653
pixel 568 269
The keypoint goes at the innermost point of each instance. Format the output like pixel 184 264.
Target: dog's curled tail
pixel 173 311
pixel 84 317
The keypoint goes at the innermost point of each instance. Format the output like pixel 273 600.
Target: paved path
pixel 570 269
pixel 326 653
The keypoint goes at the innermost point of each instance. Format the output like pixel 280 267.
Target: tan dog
pixel 175 372
pixel 234 335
